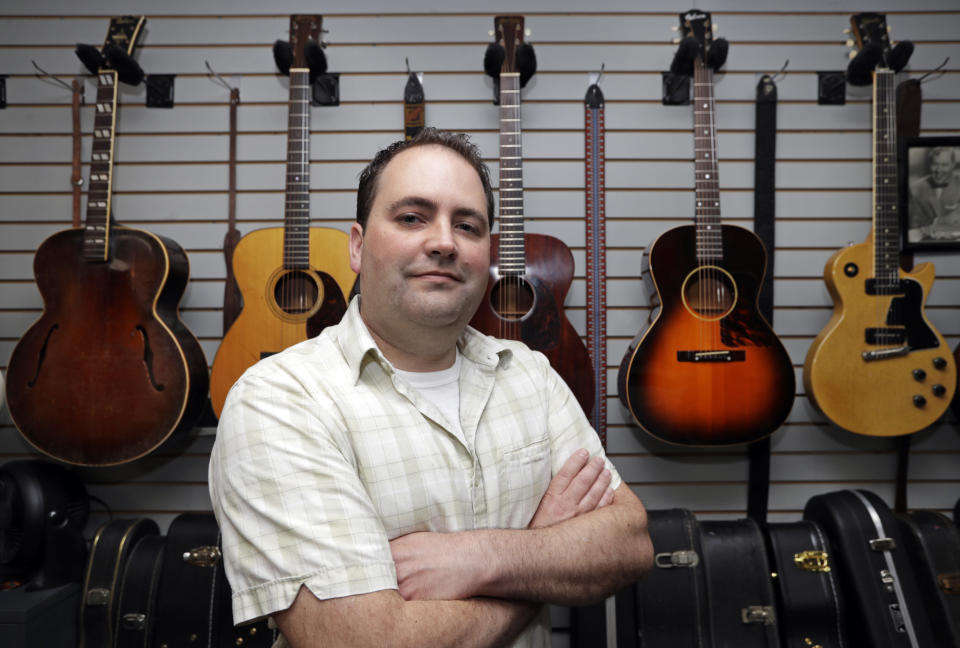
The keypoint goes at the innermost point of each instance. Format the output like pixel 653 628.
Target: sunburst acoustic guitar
pixel 109 372
pixel 709 370
pixel 292 278
pixel 879 367
pixel 530 274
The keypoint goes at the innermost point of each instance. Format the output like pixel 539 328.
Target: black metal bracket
pixel 326 89
pixel 160 90
pixel 676 89
pixel 831 88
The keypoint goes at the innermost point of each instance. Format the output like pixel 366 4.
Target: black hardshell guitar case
pixel 137 603
pixel 193 606
pixel 110 550
pixel 884 608
pixel 742 602
pixel 668 608
pixel 808 597
pixel 933 542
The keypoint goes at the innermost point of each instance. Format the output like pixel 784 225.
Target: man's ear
pixel 356 246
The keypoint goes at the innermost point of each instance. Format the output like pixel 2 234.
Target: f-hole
pixel 148 358
pixel 512 298
pixel 297 293
pixel 42 355
pixel 709 293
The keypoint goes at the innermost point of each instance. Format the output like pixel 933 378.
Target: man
pixel 935 198
pixel 402 479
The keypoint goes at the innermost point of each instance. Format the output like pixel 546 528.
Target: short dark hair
pixel 456 142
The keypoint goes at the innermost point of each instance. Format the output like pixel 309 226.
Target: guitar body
pixel 876 398
pixel 703 376
pixel 264 326
pixel 543 326
pixel 109 372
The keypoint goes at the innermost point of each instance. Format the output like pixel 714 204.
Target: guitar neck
pixel 97 230
pixel 707 219
pixel 886 224
pixel 296 213
pixel 511 244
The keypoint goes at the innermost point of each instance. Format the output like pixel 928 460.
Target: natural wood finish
pixel 262 327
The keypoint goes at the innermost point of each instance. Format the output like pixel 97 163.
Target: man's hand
pixel 580 486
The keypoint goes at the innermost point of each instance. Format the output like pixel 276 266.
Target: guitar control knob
pixel 919 374
pixel 919 400
pixel 939 362
pixel 939 390
pixel 851 269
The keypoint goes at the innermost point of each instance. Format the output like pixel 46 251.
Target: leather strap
pixel 594 136
pixel 414 116
pixel 232 303
pixel 764 217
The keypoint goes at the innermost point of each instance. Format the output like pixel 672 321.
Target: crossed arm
pixel 481 588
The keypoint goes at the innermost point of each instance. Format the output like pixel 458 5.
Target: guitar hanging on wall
pixel 878 367
pixel 530 274
pixel 292 278
pixel 709 370
pixel 109 372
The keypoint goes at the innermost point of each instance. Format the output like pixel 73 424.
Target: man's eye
pixel 469 227
pixel 408 218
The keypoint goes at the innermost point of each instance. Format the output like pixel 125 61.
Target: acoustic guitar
pixel 530 274
pixel 878 367
pixel 287 297
pixel 109 372
pixel 709 370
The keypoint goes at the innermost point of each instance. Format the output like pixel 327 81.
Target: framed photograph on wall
pixel 929 175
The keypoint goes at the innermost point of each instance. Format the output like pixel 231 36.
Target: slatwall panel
pixel 171 178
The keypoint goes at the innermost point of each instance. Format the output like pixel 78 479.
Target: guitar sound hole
pixel 511 298
pixel 709 292
pixel 296 292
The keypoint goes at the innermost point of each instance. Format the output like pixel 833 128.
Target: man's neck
pixel 420 350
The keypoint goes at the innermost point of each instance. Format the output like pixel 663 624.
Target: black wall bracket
pixel 160 90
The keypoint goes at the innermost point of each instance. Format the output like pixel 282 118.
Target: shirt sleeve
pixel 569 426
pixel 286 492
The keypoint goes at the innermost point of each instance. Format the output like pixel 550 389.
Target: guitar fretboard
pixel 296 213
pixel 707 220
pixel 886 224
pixel 96 231
pixel 513 260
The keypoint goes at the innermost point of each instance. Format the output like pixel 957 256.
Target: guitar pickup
pixel 873 287
pixel 711 356
pixel 886 336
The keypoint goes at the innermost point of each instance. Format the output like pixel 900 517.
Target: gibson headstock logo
pixel 694 15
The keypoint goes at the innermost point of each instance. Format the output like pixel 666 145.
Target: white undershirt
pixel 442 388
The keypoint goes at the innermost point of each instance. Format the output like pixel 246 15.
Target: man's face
pixel 941 166
pixel 424 255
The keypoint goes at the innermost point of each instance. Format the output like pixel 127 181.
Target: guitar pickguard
pixel 907 311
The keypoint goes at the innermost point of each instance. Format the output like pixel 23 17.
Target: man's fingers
pixel 570 469
pixel 591 500
pixel 585 480
pixel 607 498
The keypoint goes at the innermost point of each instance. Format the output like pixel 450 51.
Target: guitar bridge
pixel 711 356
pixel 883 354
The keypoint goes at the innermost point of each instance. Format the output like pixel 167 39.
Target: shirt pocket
pixel 523 474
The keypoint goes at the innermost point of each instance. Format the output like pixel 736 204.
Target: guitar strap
pixel 414 116
pixel 909 102
pixel 764 214
pixel 232 304
pixel 596 256
pixel 76 180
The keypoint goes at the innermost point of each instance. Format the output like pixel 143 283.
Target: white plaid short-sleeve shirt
pixel 324 454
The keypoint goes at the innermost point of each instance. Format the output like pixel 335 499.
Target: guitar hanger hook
pixel 216 78
pixel 44 74
pixel 939 69
pixel 407 60
pixel 600 76
pixel 783 71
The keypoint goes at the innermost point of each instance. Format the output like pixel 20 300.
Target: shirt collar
pixel 358 346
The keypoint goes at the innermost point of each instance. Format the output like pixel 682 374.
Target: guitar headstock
pixel 698 25
pixel 304 28
pixel 869 28
pixel 124 32
pixel 509 34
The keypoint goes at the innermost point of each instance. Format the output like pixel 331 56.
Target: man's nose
pixel 441 240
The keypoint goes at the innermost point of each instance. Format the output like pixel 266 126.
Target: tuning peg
pixel 847 31
pixel 849 42
pixel 675 28
pixel 490 32
pixel 675 40
pixel 715 26
pixel 851 55
pixel 528 32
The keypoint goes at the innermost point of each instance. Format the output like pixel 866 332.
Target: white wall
pixel 171 178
